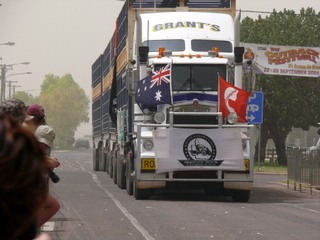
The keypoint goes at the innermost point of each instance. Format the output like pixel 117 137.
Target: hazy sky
pixel 67 36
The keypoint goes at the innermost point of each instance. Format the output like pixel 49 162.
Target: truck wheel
pixel 240 195
pixel 111 164
pixel 114 161
pixel 100 156
pixel 108 158
pixel 104 162
pixel 141 194
pixel 129 171
pixel 95 159
pixel 211 191
pixel 107 162
pixel 121 173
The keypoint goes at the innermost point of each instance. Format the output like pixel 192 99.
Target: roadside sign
pixel 255 108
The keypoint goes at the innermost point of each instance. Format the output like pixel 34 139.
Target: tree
pixel 289 101
pixel 27 98
pixel 49 81
pixel 66 106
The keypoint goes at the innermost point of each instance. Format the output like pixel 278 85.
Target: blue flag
pixel 155 89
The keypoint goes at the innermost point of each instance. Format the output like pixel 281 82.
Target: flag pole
pixel 218 91
pixel 171 95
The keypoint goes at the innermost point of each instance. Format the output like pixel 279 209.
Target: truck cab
pixel 176 135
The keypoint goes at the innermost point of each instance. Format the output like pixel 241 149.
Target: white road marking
pixel 300 207
pixel 48 227
pixel 133 220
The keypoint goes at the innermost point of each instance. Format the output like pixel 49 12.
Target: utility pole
pixel 4 68
pixel 9 85
pixel 14 88
pixel 3 82
pixel 3 74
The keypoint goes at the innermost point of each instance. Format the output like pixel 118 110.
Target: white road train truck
pixel 183 140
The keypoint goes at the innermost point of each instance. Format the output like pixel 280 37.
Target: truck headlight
pixel 148 145
pixel 232 118
pixel 159 117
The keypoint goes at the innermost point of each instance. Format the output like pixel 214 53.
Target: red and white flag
pixel 232 99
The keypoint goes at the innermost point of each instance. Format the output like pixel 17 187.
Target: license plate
pixel 148 163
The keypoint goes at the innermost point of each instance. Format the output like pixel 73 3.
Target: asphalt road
pixel 92 207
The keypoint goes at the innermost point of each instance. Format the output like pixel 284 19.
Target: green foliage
pixel 49 81
pixel 288 101
pixel 269 168
pixel 27 98
pixel 66 106
pixel 283 28
pixel 291 101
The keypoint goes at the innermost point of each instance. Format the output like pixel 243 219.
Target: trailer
pixel 156 100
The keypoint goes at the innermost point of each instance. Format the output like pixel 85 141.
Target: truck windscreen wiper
pixel 184 84
pixel 197 85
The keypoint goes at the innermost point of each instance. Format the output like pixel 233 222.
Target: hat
pixel 36 110
pixel 28 117
pixel 46 135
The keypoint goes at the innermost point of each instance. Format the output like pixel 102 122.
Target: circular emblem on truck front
pixel 199 147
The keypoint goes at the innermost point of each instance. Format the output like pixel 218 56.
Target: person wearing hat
pixel 36 116
pixel 46 136
pixel 36 120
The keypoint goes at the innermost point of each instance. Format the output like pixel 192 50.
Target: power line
pixel 252 11
pixel 29 90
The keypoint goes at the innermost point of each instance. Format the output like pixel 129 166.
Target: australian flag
pixel 155 89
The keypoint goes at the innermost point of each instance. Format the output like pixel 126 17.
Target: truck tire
pixel 140 194
pixel 240 195
pixel 111 164
pixel 121 173
pixel 108 161
pixel 104 161
pixel 99 156
pixel 95 159
pixel 211 191
pixel 114 163
pixel 129 171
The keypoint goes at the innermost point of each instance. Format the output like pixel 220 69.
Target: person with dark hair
pixel 15 108
pixel 23 187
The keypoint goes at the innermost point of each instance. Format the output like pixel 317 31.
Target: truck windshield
pixel 173 45
pixel 200 77
pixel 205 45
